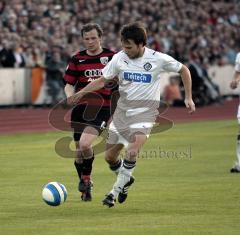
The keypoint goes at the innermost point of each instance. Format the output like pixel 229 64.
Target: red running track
pixel 28 120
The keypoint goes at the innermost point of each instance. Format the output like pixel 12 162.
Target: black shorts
pixel 82 117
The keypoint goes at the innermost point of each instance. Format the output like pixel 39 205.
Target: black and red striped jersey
pixel 84 68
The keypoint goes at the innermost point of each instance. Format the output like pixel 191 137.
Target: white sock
pixel 123 177
pixel 238 150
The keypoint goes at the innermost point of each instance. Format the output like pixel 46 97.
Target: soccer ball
pixel 54 193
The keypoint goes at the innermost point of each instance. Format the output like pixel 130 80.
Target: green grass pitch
pixel 190 191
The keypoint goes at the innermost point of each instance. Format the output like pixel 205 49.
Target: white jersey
pixel 139 79
pixel 237 63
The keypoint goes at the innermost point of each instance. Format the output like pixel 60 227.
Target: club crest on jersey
pixel 104 60
pixel 147 66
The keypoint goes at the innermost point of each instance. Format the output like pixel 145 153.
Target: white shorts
pixel 238 114
pixel 123 127
pixel 126 136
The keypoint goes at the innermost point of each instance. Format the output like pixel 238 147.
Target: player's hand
pixel 74 99
pixel 190 105
pixel 234 84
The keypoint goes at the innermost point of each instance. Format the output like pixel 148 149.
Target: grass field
pixel 192 194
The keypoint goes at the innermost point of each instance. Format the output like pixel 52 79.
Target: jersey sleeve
pixel 111 69
pixel 237 63
pixel 169 64
pixel 71 74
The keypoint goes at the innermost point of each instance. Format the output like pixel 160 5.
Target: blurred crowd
pixel 43 33
pixel 32 30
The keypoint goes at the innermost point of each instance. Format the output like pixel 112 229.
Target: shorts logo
pixel 147 66
pixel 104 60
pixel 137 77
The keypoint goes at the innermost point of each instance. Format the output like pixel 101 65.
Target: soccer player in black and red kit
pixel 87 121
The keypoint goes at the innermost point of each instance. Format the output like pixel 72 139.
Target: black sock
pixel 115 166
pixel 79 168
pixel 87 166
pixel 129 164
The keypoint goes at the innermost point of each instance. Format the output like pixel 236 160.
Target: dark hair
pixel 134 31
pixel 91 26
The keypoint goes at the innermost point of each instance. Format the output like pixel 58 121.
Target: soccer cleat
pixel 109 200
pixel 235 169
pixel 81 186
pixel 85 187
pixel 86 196
pixel 122 196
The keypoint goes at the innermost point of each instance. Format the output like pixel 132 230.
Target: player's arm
pixel 187 82
pixel 69 90
pixel 234 83
pixel 236 80
pixel 70 78
pixel 91 87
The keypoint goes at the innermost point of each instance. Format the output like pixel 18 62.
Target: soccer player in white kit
pixel 137 68
pixel 234 85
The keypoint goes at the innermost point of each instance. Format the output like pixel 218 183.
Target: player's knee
pixel 85 146
pixel 110 159
pixel 78 156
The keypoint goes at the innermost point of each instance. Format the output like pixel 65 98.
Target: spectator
pixel 7 59
pixel 172 92
pixel 204 90
pixel 209 28
pixel 54 74
pixel 19 61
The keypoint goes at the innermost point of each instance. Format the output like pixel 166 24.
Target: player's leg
pixel 115 143
pixel 88 136
pixel 78 124
pixel 124 178
pixel 238 146
pixel 129 164
pixel 112 156
pixel 115 162
pixel 236 167
pixel 78 163
pixel 76 119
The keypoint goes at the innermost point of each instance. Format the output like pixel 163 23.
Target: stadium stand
pixel 31 32
pixel 177 27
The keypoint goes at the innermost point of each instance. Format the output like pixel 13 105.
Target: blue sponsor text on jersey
pixel 137 77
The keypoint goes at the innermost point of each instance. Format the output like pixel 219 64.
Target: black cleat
pixel 122 196
pixel 109 200
pixel 86 196
pixel 86 189
pixel 235 169
pixel 81 186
